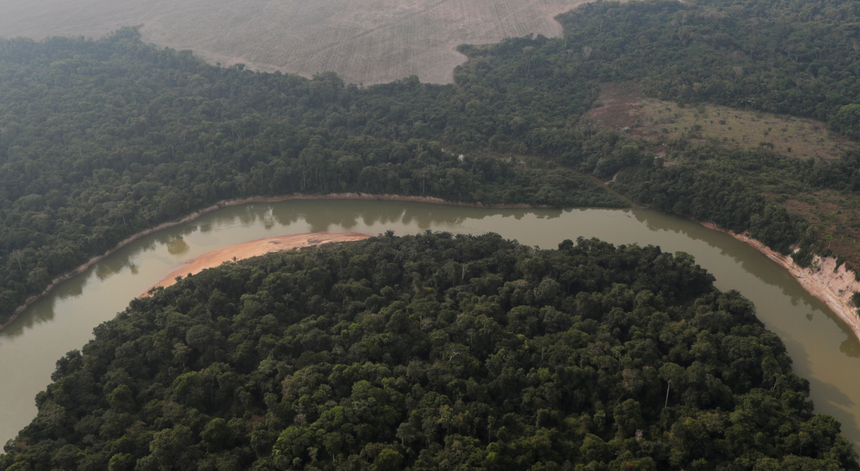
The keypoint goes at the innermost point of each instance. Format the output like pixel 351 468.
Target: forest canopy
pixel 434 352
pixel 101 139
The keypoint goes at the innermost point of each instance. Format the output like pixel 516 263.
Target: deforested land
pixel 363 42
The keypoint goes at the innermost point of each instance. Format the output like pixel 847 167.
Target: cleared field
pixel 662 122
pixel 834 215
pixel 368 41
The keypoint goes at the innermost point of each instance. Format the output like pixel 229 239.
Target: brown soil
pixel 255 248
pixel 620 103
pixel 834 215
pixel 620 109
pixel 362 41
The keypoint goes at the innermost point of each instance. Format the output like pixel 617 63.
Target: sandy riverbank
pixel 366 196
pixel 256 248
pixel 235 202
pixel 832 287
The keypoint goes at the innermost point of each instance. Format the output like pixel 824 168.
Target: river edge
pixel 239 201
pixel 816 280
pixel 256 248
pixel 834 287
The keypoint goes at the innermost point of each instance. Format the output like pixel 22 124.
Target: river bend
pixel 823 349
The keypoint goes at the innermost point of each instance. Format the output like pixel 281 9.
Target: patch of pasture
pixel 668 125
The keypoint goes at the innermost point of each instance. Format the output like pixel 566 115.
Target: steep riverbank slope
pixel 832 285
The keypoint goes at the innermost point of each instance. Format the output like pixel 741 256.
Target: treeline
pixel 102 139
pixel 431 352
pixel 743 190
pixel 791 57
pixel 709 196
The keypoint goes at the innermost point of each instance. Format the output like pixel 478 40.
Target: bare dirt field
pixel 662 121
pixel 369 41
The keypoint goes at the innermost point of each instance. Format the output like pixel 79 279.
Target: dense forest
pixel 431 352
pixel 100 139
pixel 792 57
pixel 434 352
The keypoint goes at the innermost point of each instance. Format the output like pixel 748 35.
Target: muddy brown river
pixel 824 350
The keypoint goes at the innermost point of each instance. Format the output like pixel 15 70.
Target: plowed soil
pixel 368 41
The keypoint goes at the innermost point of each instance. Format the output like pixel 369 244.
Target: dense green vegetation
pixel 728 187
pixel 434 352
pixel 791 57
pixel 430 352
pixel 101 139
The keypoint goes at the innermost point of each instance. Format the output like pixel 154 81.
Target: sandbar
pixel 256 248
pixel 235 202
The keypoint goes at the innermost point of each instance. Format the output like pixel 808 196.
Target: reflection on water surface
pixel 823 349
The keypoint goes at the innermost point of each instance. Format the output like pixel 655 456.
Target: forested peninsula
pixel 434 352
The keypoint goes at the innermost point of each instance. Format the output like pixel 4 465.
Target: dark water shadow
pixel 750 260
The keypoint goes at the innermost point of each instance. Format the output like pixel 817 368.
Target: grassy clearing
pixel 834 214
pixel 364 42
pixel 662 122
pixel 789 136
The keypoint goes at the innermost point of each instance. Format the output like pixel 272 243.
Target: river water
pixel 823 349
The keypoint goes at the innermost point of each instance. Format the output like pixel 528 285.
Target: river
pixel 823 349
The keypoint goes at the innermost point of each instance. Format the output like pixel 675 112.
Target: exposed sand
pixel 833 288
pixel 254 249
pixel 235 202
